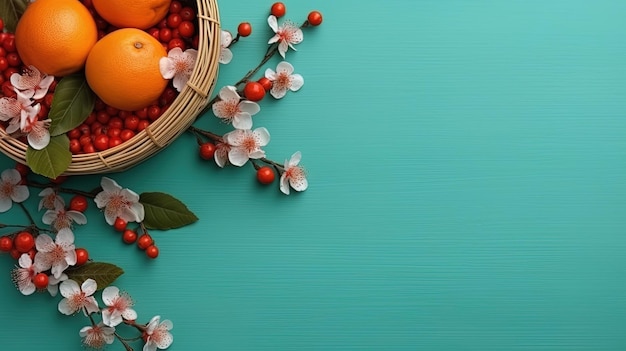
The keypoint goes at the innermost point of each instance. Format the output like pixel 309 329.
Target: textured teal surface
pixel 467 191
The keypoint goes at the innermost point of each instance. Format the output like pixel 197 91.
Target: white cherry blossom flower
pixel 118 307
pixel 231 110
pixel 14 110
pixel 159 335
pixel 23 275
pixel 49 198
pixel 97 336
pixel 178 65
pixel 246 144
pixel 77 298
pixel 58 254
pixel 53 283
pixel 37 132
pixel 283 79
pixel 32 83
pixel 225 54
pixel 11 190
pixel 294 175
pixel 60 218
pixel 287 35
pixel 118 202
pixel 221 154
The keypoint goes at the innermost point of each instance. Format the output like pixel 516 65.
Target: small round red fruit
pixel 187 13
pixel 278 9
pixel 152 251
pixel 244 29
pixel 254 91
pixel 6 244
pixel 265 175
pixel 24 241
pixel 120 224
pixel 266 83
pixel 82 256
pixel 78 203
pixel 129 236
pixel 315 18
pixel 174 20
pixel 144 241
pixel 41 280
pixel 186 29
pixel 207 150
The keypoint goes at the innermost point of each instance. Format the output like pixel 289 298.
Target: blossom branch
pixel 90 194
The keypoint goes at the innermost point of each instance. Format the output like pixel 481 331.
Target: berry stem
pixel 197 131
pixel 271 50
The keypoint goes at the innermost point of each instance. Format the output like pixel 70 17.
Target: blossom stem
pixel 89 194
pixel 123 341
pixel 30 218
pixel 271 50
pixel 197 131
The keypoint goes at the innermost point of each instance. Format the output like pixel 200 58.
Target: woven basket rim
pixel 164 130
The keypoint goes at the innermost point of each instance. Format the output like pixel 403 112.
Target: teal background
pixel 467 184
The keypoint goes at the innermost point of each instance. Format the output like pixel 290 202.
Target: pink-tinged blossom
pixel 11 190
pixel 32 83
pixel 56 255
pixel 246 144
pixel 119 307
pixel 178 65
pixel 287 35
pixel 283 79
pixel 36 131
pixel 60 218
pixel 231 109
pixel 53 283
pixel 23 275
pixel 77 298
pixel 158 334
pixel 221 154
pixel 49 199
pixel 294 175
pixel 96 337
pixel 225 54
pixel 14 110
pixel 118 202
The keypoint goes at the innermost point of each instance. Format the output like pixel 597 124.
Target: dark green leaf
pixel 11 11
pixel 52 160
pixel 164 211
pixel 73 101
pixel 103 273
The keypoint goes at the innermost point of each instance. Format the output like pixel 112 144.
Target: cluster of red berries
pixel 130 236
pixel 107 127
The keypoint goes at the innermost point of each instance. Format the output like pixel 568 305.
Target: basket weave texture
pixel 172 123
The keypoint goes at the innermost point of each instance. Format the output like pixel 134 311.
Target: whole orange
pixel 55 36
pixel 123 69
pixel 141 14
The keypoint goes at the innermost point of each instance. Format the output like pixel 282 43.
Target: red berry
pixel 186 29
pixel 101 142
pixel 165 35
pixel 89 149
pixel 266 83
pixel 244 29
pixel 144 241
pixel 174 20
pixel 13 59
pixel 207 150
pixel 24 241
pixel 113 133
pixel 82 256
pixel 120 224
pixel 154 112
pixel 265 175
pixel 187 13
pixel 129 236
pixel 15 254
pixel 175 6
pixel 126 134
pixel 41 280
pixel 152 251
pixel 278 9
pixel 143 124
pixel 176 43
pixel 131 122
pixel 78 203
pixel 4 64
pixel 315 18
pixel 75 147
pixel 9 43
pixel 254 91
pixel 6 244
pixel 59 180
pixel 114 141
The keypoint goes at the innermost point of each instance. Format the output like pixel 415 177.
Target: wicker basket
pixel 172 123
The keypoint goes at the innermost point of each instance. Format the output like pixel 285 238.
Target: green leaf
pixel 52 160
pixel 11 11
pixel 103 273
pixel 164 211
pixel 73 101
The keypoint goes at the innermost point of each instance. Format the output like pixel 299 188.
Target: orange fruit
pixel 123 69
pixel 55 36
pixel 141 14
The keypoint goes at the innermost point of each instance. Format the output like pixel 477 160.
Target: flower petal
pixel 250 107
pixel 44 243
pixel 295 158
pixel 77 217
pixel 242 121
pixel 282 48
pixel 109 185
pixel 284 66
pixel 38 138
pixel 270 74
pixel 65 237
pixel 109 294
pixel 284 184
pixel 262 136
pixel 225 56
pixel 167 67
pixel 273 23
pixel 129 314
pixel 237 156
pixel 69 288
pixel 11 175
pixel 25 261
pixel 278 92
pixel 20 193
pixel 296 82
pixel 229 92
pixel 89 287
